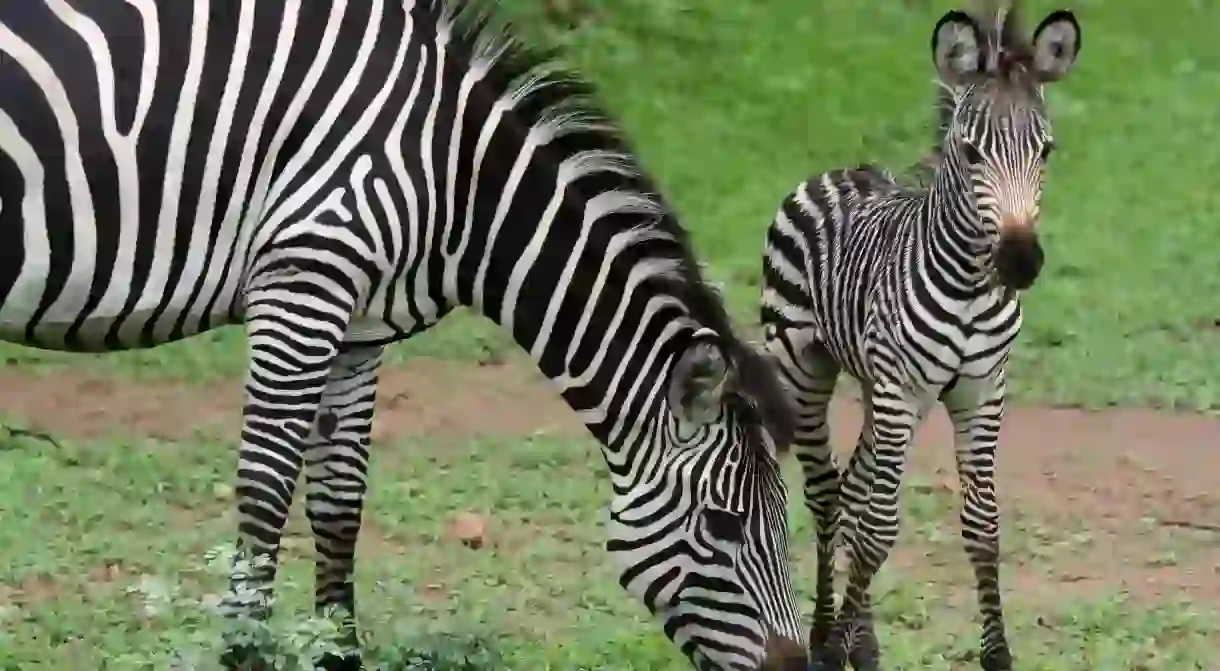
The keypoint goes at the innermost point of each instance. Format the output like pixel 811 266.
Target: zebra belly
pixel 88 330
pixel 90 333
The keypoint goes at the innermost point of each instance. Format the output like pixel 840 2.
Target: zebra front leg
pixel 893 419
pixel 809 369
pixel 293 331
pixel 336 475
pixel 975 409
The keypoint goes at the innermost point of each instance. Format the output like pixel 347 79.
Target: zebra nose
pixel 784 654
pixel 1017 225
pixel 1018 257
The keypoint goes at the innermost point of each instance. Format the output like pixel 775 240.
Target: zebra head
pixel 997 135
pixel 700 533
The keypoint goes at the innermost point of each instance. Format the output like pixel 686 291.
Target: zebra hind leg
pixel 336 475
pixel 975 410
pixel 293 334
pixel 811 372
pixel 854 486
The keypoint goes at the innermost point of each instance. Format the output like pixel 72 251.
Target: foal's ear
pixel 957 47
pixel 1056 45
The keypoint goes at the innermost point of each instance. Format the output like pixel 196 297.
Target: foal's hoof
pixel 349 662
pixel 997 660
pixel 826 659
pixel 865 654
pixel 243 658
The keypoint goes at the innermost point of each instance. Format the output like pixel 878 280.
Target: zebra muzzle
pixel 1018 258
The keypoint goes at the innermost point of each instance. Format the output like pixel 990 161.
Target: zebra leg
pixel 894 416
pixel 294 328
pixel 854 487
pixel 975 409
pixel 336 476
pixel 811 372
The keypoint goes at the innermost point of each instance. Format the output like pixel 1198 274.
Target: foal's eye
pixel 1046 150
pixel 971 154
pixel 724 525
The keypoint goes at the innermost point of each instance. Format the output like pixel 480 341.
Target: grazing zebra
pixel 338 175
pixel 913 292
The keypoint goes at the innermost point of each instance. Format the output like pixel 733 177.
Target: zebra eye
pixel 1046 150
pixel 971 154
pixel 724 525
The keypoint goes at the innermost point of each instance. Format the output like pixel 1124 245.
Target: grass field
pixel 1112 516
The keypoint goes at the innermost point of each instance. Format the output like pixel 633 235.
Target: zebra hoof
pixel 348 662
pixel 997 660
pixel 865 655
pixel 827 660
pixel 243 658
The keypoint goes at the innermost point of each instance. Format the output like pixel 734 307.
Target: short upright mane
pixel 1010 54
pixel 548 93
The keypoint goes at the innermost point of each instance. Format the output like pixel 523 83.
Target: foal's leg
pixel 855 485
pixel 810 372
pixel 895 414
pixel 976 408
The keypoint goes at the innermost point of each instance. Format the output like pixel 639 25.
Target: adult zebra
pixel 914 293
pixel 340 174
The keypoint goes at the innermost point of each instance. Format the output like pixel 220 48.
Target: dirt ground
pixel 1138 481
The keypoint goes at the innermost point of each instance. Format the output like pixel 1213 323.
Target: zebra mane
pixel 558 105
pixel 1008 50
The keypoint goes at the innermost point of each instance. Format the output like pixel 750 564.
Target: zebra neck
pixel 954 245
pixel 597 304
pixel 614 371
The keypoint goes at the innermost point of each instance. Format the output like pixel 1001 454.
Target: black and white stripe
pixel 913 292
pixel 340 174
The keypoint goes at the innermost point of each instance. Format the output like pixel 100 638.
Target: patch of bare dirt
pixel 1144 486
pixel 422 399
pixel 42 587
pixel 1135 480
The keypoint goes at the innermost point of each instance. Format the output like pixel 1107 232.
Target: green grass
pixel 731 104
pixel 104 518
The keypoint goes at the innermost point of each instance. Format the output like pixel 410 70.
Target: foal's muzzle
pixel 1018 256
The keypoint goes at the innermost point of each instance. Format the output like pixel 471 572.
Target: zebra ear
pixel 957 47
pixel 698 381
pixel 1056 45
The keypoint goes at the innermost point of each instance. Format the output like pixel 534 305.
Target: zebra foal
pixel 338 175
pixel 913 292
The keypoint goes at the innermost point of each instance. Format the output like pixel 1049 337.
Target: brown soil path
pixel 1141 483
